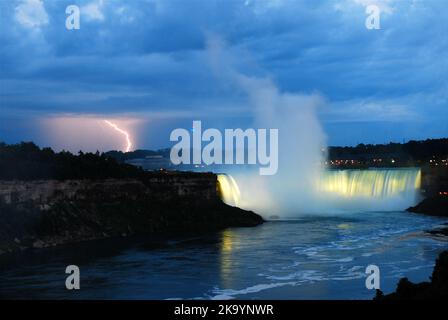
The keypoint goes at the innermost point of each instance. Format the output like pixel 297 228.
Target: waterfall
pixel 228 190
pixel 387 189
pixel 371 183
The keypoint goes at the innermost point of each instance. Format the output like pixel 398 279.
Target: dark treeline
pixel 413 150
pixel 26 161
pixel 137 154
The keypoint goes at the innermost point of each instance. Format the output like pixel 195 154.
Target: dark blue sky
pixel 146 64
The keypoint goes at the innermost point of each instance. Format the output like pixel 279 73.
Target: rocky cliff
pixel 40 213
pixel 433 206
pixel 434 180
pixel 434 188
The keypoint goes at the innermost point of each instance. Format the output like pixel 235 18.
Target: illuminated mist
pixel 301 139
pixel 301 185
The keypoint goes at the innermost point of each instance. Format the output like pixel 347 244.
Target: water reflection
pixel 312 258
pixel 226 259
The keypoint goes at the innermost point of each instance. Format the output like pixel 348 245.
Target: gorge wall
pixel 40 213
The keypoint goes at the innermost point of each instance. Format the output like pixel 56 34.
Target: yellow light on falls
pixel 374 183
pixel 228 190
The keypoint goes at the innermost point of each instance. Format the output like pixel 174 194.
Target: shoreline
pixel 48 213
pixel 436 205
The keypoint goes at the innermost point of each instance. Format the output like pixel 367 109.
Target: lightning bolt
pixel 123 132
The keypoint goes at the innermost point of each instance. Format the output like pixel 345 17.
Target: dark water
pixel 319 257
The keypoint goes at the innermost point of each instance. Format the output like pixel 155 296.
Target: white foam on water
pixel 230 293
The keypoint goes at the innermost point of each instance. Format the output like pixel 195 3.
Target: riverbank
pixel 436 205
pixel 44 213
pixel 436 288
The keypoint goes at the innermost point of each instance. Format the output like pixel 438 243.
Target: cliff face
pixel 50 212
pixel 162 187
pixel 433 206
pixel 434 180
pixel 434 187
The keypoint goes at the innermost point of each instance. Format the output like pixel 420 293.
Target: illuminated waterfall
pixel 369 190
pixel 372 183
pixel 352 190
pixel 228 190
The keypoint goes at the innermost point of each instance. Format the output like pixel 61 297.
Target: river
pixel 312 257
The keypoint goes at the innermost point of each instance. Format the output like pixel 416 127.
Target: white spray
pixel 301 139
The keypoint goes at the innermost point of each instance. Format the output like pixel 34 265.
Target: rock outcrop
pixel 434 206
pixel 50 212
pixel 436 288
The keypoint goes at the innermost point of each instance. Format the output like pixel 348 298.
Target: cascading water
pixel 228 190
pixel 369 190
pixel 373 183
pixel 344 190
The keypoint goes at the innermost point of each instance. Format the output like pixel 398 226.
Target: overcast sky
pixel 147 65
